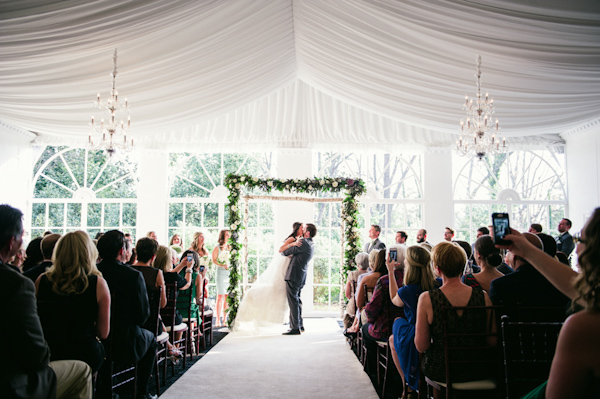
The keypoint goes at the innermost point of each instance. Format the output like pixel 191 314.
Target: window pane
pixel 94 212
pixel 193 214
pixel 56 214
pixel 39 215
pixel 321 298
pixel 175 214
pixel 74 215
pixel 211 215
pixel 129 214
pixel 321 271
pixel 112 213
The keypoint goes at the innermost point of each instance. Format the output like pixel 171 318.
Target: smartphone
pixel 393 254
pixel 501 228
pixel 190 257
pixel 202 269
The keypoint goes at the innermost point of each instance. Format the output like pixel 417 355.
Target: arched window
pixel 529 185
pixel 78 189
pixel 198 196
pixel 393 201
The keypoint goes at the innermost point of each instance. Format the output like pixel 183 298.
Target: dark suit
pixel 296 277
pixel 565 243
pixel 38 270
pixel 24 370
pixel 525 287
pixel 377 244
pixel 129 311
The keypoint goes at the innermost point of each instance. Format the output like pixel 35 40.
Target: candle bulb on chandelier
pixel 98 98
pixel 496 124
pixel 128 122
pixel 503 141
pixel 92 120
pixel 125 102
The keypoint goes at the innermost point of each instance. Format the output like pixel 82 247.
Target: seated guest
pixel 25 369
pixel 535 228
pixel 370 279
pixel 526 286
pixel 18 259
pixel 562 258
pixel 146 253
pixel 380 310
pixel 47 245
pixel 129 311
pixel 488 258
pixel 574 372
pixel 33 254
pixel 362 263
pixel 418 278
pixel 449 261
pixel 74 301
pixel 195 289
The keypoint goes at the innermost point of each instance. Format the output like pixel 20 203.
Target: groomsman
pixel 374 242
pixel 565 242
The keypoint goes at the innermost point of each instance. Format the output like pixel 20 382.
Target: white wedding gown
pixel 265 303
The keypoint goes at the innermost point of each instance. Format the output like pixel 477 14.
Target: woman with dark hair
pixel 74 302
pixel 33 254
pixel 220 258
pixel 265 303
pixel 488 258
pixel 575 371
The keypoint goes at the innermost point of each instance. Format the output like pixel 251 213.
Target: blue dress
pixel 404 335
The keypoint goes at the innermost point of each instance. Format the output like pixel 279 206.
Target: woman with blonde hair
pixel 74 301
pixel 220 257
pixel 418 278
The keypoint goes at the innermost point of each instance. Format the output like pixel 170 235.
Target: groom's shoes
pixel 293 331
pixel 302 329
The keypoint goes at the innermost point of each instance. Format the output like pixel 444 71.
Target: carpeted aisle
pixel 316 364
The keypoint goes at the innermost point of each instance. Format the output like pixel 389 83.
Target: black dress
pixel 150 274
pixel 69 323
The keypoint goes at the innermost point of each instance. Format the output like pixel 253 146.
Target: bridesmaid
pixel 220 257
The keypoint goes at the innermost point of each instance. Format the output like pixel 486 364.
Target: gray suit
pixel 296 277
pixel 371 245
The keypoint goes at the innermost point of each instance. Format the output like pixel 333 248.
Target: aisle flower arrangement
pixel 352 189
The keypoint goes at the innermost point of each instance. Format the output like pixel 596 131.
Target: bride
pixel 265 303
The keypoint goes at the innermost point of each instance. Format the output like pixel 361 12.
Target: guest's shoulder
pixel 12 280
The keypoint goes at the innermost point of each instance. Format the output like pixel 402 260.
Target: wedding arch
pixel 352 188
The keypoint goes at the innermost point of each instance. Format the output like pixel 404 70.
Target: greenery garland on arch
pixel 353 188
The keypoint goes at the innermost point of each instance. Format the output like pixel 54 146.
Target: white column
pixel 295 164
pixel 153 194
pixel 583 173
pixel 437 192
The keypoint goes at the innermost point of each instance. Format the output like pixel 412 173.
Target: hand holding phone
pixel 501 227
pixel 190 257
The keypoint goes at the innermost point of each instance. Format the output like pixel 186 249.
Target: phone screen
pixel 393 254
pixel 201 268
pixel 501 228
pixel 190 257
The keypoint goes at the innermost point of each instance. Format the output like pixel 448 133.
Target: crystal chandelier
pixel 112 129
pixel 478 132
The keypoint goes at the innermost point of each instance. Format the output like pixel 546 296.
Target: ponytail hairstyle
pixel 487 250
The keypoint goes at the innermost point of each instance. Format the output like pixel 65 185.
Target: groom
pixel 296 277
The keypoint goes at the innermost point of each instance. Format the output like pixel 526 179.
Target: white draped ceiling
pixel 257 74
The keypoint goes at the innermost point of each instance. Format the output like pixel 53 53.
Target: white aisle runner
pixel 316 364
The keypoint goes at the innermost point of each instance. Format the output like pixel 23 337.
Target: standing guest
pixel 164 261
pixel 175 240
pixel 25 369
pixel 422 236
pixel 197 275
pixel 74 301
pixel 128 237
pixel 152 234
pixel 488 258
pixel 220 257
pixel 449 261
pixel 574 372
pixel 482 231
pixel 448 234
pixel 130 310
pixel 47 245
pixel 418 278
pixel 362 263
pixel 535 228
pixel 564 241
pixel 33 254
pixel 374 242
pixel 401 237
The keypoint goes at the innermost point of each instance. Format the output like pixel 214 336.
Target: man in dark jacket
pixel 129 309
pixel 25 367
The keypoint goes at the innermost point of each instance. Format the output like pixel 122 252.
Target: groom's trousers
pixel 293 296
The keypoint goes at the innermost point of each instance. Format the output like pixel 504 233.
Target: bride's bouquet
pixel 223 257
pixel 204 261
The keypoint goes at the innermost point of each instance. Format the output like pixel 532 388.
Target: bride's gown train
pixel 265 303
